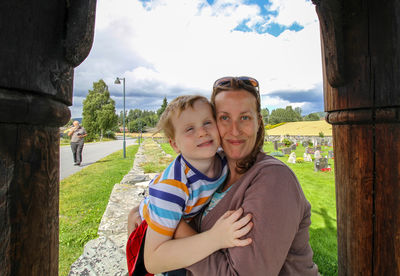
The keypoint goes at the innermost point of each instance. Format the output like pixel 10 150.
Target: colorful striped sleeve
pixel 165 205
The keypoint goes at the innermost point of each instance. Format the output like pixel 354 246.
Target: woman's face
pixel 237 121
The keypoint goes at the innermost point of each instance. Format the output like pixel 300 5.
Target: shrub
pixel 287 142
pixel 321 134
pixel 300 160
pixel 273 126
pixel 277 154
pixel 110 134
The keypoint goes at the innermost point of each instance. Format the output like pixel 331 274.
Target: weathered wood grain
pixel 29 177
pixel 41 43
pixel 365 112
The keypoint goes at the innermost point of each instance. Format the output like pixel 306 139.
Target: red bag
pixel 135 250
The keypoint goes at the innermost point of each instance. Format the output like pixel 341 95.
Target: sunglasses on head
pixel 225 82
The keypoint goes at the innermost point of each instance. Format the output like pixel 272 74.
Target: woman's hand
pixel 134 220
pixel 229 228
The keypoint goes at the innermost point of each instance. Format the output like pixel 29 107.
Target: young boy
pixel 182 190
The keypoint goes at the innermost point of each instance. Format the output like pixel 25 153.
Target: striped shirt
pixel 179 191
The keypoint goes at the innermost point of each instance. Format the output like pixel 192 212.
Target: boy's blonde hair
pixel 176 106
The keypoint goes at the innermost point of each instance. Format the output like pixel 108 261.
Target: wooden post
pixel 361 62
pixel 41 42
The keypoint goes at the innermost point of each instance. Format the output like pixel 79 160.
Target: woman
pixel 262 186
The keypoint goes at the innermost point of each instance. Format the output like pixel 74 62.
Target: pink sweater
pixel 281 216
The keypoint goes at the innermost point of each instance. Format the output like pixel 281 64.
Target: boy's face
pixel 196 133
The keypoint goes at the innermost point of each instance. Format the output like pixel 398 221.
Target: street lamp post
pixel 118 81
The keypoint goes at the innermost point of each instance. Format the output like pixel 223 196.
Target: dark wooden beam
pixel 362 98
pixel 42 41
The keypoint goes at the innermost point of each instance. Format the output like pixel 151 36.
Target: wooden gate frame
pixel 43 40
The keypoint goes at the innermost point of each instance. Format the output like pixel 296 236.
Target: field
pixel 306 128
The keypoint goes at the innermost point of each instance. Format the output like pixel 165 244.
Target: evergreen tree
pixel 163 107
pixel 98 111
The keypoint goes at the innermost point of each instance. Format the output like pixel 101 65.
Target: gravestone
pixel 276 145
pixel 310 150
pixel 292 158
pixel 318 148
pixel 330 154
pixel 293 147
pixel 305 144
pixel 286 150
pixel 317 154
pixel 320 163
pixel 307 157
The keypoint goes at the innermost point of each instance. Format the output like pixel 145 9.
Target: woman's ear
pixel 172 142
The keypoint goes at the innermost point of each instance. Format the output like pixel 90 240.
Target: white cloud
pixel 164 47
pixel 291 11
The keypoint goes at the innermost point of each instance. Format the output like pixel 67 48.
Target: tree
pixel 137 125
pixel 120 117
pixel 281 115
pixel 163 107
pixel 265 115
pixel 298 110
pixel 98 111
pixel 311 117
pixel 107 119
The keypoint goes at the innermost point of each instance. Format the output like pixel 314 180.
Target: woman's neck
pixel 233 175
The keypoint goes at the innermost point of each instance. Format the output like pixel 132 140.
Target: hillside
pixel 307 128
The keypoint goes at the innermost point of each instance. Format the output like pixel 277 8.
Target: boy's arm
pixel 183 230
pixel 134 219
pixel 163 254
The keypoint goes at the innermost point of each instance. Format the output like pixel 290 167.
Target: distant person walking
pixel 77 134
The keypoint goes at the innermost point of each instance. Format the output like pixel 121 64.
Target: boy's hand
pixel 229 228
pixel 134 220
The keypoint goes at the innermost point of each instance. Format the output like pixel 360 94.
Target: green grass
pixel 156 160
pixel 83 200
pixel 319 189
pixel 168 149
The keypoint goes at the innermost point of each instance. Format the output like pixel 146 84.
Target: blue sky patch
pixel 243 26
pixel 276 29
pixel 272 28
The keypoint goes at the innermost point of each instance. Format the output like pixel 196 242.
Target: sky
pixel 167 48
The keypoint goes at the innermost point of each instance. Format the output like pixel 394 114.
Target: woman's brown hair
pixel 239 83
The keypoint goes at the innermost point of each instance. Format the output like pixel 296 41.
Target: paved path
pixel 91 153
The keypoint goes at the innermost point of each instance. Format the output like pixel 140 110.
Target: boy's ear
pixel 174 146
